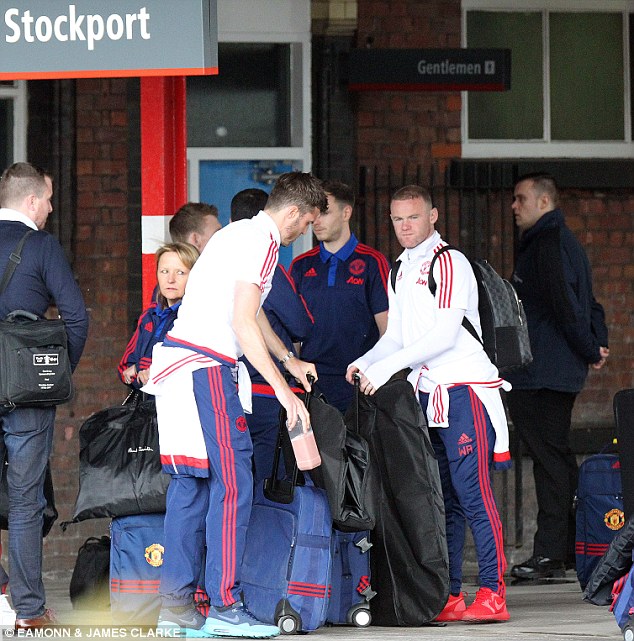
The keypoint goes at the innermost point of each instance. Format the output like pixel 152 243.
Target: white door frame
pixel 271 21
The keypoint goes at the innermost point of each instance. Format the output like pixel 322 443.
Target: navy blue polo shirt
pixel 289 319
pixel 343 292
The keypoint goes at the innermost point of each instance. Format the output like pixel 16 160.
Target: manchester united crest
pixel 357 267
pixel 154 554
pixel 614 519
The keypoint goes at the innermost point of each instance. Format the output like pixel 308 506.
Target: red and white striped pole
pixel 163 165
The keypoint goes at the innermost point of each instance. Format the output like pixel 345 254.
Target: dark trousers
pixel 542 419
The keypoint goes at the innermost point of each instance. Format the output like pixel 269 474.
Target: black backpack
pixel 504 329
pixel 90 583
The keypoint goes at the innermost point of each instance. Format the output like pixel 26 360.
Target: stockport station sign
pixel 90 38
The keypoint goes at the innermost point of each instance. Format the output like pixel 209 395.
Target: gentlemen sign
pixel 92 38
pixel 429 70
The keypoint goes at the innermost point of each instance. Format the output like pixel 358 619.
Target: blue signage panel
pixel 89 38
pixel 429 70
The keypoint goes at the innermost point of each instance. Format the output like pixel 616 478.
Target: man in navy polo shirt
pixel 344 283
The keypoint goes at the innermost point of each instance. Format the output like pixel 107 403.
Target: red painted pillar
pixel 163 165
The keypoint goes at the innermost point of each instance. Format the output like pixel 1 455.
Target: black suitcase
pixel 624 421
pixel 409 562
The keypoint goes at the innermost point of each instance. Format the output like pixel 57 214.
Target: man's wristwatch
pixel 287 357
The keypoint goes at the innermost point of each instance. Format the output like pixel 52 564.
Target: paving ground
pixel 546 612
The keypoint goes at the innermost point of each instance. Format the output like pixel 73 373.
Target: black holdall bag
pixel 120 471
pixel 90 583
pixel 345 471
pixel 34 362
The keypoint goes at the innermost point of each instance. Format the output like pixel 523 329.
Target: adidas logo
pixel 311 272
pixel 464 439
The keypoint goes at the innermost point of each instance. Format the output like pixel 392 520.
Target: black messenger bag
pixel 34 362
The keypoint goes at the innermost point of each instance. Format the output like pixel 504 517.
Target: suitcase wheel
pixel 288 624
pixel 362 618
pixel 628 633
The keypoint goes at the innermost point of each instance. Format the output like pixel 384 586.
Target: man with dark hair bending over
pixel 202 393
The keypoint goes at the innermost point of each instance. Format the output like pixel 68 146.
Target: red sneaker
pixel 453 610
pixel 488 606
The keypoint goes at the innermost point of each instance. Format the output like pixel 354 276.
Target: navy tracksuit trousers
pixel 465 452
pixel 213 510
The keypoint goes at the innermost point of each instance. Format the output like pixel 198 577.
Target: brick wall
pixel 101 266
pixel 394 127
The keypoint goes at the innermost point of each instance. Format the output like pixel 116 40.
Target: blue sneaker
pixel 236 621
pixel 177 623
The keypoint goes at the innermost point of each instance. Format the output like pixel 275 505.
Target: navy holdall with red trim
pixel 136 557
pixel 599 516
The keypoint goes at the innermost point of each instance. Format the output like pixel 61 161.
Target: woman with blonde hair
pixel 173 264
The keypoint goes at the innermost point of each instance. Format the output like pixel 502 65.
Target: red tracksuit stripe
pixel 446 280
pixel 484 480
pixel 193 358
pixel 438 406
pixel 489 501
pixel 216 396
pixel 227 462
pixel 269 262
pixel 294 287
pixel 307 589
pixel 384 268
pixel 187 461
pixel 123 364
pixel 229 510
pixel 494 516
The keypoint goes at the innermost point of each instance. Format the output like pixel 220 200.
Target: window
pixel 12 122
pixel 248 104
pixel 570 79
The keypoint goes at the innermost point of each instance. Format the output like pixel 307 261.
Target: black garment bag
pixel 410 563
pixel 120 470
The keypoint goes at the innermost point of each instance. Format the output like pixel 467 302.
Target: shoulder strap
pixel 394 274
pixel 15 257
pixel 431 282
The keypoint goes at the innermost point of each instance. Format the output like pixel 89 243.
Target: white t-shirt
pixel 245 251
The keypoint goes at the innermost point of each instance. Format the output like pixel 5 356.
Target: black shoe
pixel 539 567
